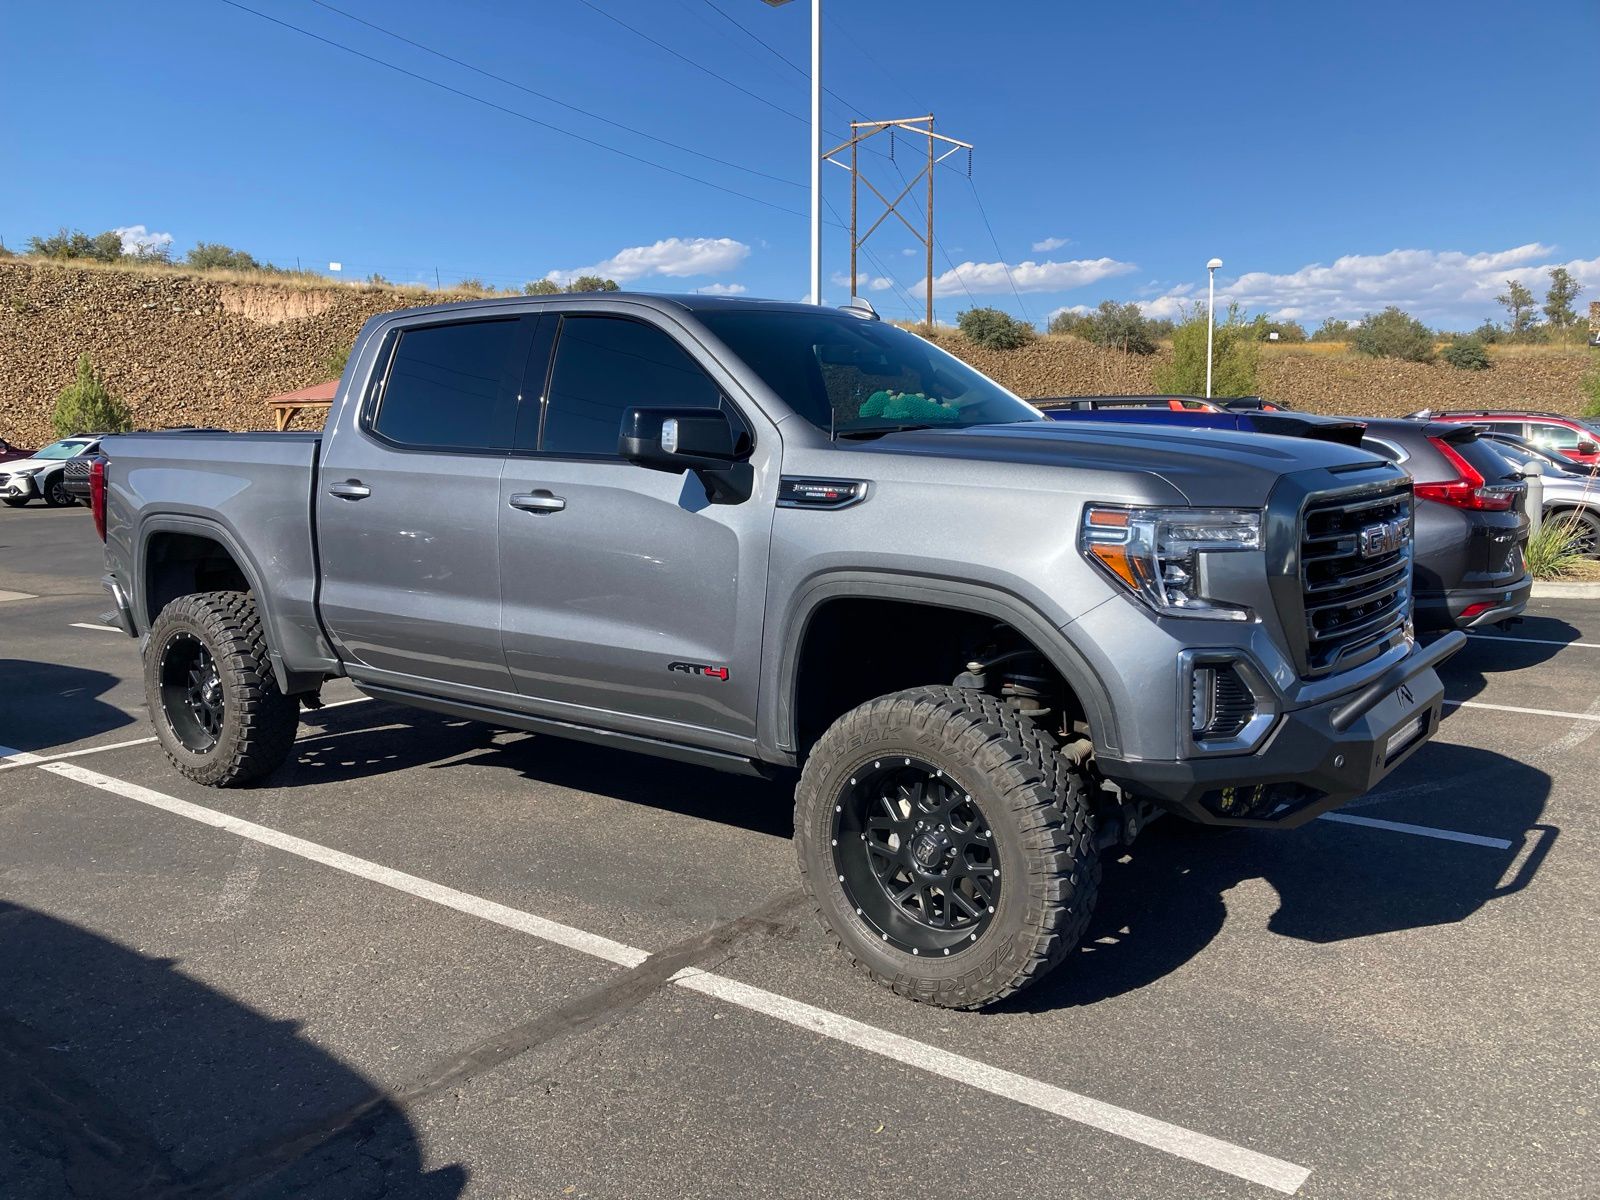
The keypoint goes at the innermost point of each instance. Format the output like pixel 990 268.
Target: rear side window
pixel 606 364
pixel 446 387
pixel 1515 427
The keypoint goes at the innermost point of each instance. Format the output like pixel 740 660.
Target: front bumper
pixel 19 487
pixel 1447 610
pixel 1315 759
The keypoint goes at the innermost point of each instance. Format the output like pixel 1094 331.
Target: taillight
pixel 1469 489
pixel 97 495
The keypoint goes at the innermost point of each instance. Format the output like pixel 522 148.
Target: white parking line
pixel 4 596
pixel 1532 712
pixel 1183 1143
pixel 21 758
pixel 1495 637
pixel 100 628
pixel 1444 835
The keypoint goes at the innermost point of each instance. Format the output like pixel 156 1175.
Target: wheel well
pixel 857 648
pixel 181 564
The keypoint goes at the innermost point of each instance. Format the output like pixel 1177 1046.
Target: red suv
pixel 1567 436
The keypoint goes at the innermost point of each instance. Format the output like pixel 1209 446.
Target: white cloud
pixel 677 257
pixel 911 252
pixel 1028 276
pixel 1045 245
pixel 136 239
pixel 722 289
pixel 864 280
pixel 1082 310
pixel 1436 285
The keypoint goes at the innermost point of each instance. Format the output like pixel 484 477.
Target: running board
pixel 716 759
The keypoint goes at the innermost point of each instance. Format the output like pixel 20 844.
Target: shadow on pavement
pixel 1163 902
pixel 122 1077
pixel 1466 674
pixel 44 705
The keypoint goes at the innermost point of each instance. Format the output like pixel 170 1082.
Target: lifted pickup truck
pixel 773 537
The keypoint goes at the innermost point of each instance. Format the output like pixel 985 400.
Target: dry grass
pixel 293 280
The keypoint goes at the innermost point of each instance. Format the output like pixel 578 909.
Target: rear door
pixel 630 600
pixel 408 507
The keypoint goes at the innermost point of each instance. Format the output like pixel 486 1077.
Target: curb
pixel 1552 590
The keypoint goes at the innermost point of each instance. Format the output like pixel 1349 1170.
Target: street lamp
pixel 816 146
pixel 1211 315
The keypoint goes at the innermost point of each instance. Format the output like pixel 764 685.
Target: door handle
pixel 350 489
pixel 538 502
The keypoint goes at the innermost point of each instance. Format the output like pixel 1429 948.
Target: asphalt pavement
pixel 436 959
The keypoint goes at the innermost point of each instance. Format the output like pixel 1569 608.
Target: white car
pixel 41 476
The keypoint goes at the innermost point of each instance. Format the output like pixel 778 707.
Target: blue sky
pixel 1336 158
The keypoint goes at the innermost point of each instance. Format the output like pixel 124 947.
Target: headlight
pixel 1157 553
pixel 26 472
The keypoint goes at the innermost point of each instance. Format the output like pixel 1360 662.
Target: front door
pixel 407 504
pixel 629 600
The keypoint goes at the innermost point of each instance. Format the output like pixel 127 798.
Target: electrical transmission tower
pixel 940 148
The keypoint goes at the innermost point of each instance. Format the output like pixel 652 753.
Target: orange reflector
pixel 1108 518
pixel 1116 558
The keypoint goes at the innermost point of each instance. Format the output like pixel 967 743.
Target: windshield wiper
pixel 866 431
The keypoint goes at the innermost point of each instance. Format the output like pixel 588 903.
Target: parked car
pixel 1172 403
pixel 1469 536
pixel 763 536
pixel 1570 437
pixel 9 451
pixel 41 476
pixel 1470 531
pixel 1344 430
pixel 1571 492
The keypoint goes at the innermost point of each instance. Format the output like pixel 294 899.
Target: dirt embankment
pixel 184 349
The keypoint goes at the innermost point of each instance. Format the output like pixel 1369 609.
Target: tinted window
pixel 444 387
pixel 606 364
pixel 1507 427
pixel 843 373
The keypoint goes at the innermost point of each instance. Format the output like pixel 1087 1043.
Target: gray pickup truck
pixel 777 538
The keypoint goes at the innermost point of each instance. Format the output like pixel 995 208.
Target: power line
pixel 999 253
pixel 487 74
pixel 512 112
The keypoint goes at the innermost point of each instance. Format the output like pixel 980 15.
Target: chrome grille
pixel 1355 577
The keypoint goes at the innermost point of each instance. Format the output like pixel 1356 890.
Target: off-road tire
pixel 1037 804
pixel 55 491
pixel 259 722
pixel 16 501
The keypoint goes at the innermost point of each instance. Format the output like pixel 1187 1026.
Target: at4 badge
pixel 700 669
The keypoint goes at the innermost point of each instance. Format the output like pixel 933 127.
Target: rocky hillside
pixel 183 349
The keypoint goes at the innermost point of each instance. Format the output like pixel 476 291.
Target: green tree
pixel 1235 354
pixel 1287 330
pixel 74 243
pixel 1466 353
pixel 86 405
pixel 1332 330
pixel 1558 300
pixel 1488 333
pixel 994 329
pixel 214 256
pixel 1522 311
pixel 541 287
pixel 1074 324
pixel 1393 334
pixel 593 283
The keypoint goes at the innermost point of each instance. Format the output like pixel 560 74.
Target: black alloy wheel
pixel 915 856
pixel 191 693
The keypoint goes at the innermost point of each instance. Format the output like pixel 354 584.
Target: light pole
pixel 816 146
pixel 1211 315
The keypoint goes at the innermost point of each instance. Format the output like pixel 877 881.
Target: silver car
pixel 1571 490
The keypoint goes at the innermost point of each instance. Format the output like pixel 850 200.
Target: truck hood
pixel 1208 466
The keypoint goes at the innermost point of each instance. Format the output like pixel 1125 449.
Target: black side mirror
pixel 678 439
pixel 1587 447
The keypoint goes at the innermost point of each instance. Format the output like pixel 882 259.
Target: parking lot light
pixel 1211 315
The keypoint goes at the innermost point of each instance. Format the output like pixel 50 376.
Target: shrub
pixel 214 256
pixel 1552 553
pixel 1075 324
pixel 1115 326
pixel 541 287
pixel 334 364
pixel 74 243
pixel 994 329
pixel 1488 333
pixel 86 405
pixel 1467 354
pixel 1235 353
pixel 1393 334
pixel 1332 330
pixel 1591 390
pixel 592 283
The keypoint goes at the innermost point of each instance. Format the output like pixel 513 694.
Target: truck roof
pixel 665 301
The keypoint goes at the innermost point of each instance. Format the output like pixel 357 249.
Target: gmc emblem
pixel 1383 538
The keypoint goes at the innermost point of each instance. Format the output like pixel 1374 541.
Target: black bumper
pixel 1315 759
pixel 1444 610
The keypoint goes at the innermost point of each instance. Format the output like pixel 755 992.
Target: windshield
pixel 61 449
pixel 850 375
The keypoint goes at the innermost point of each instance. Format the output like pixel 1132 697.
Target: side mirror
pixel 1585 446
pixel 678 439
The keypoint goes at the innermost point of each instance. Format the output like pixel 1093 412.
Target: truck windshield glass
pixel 853 376
pixel 61 450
